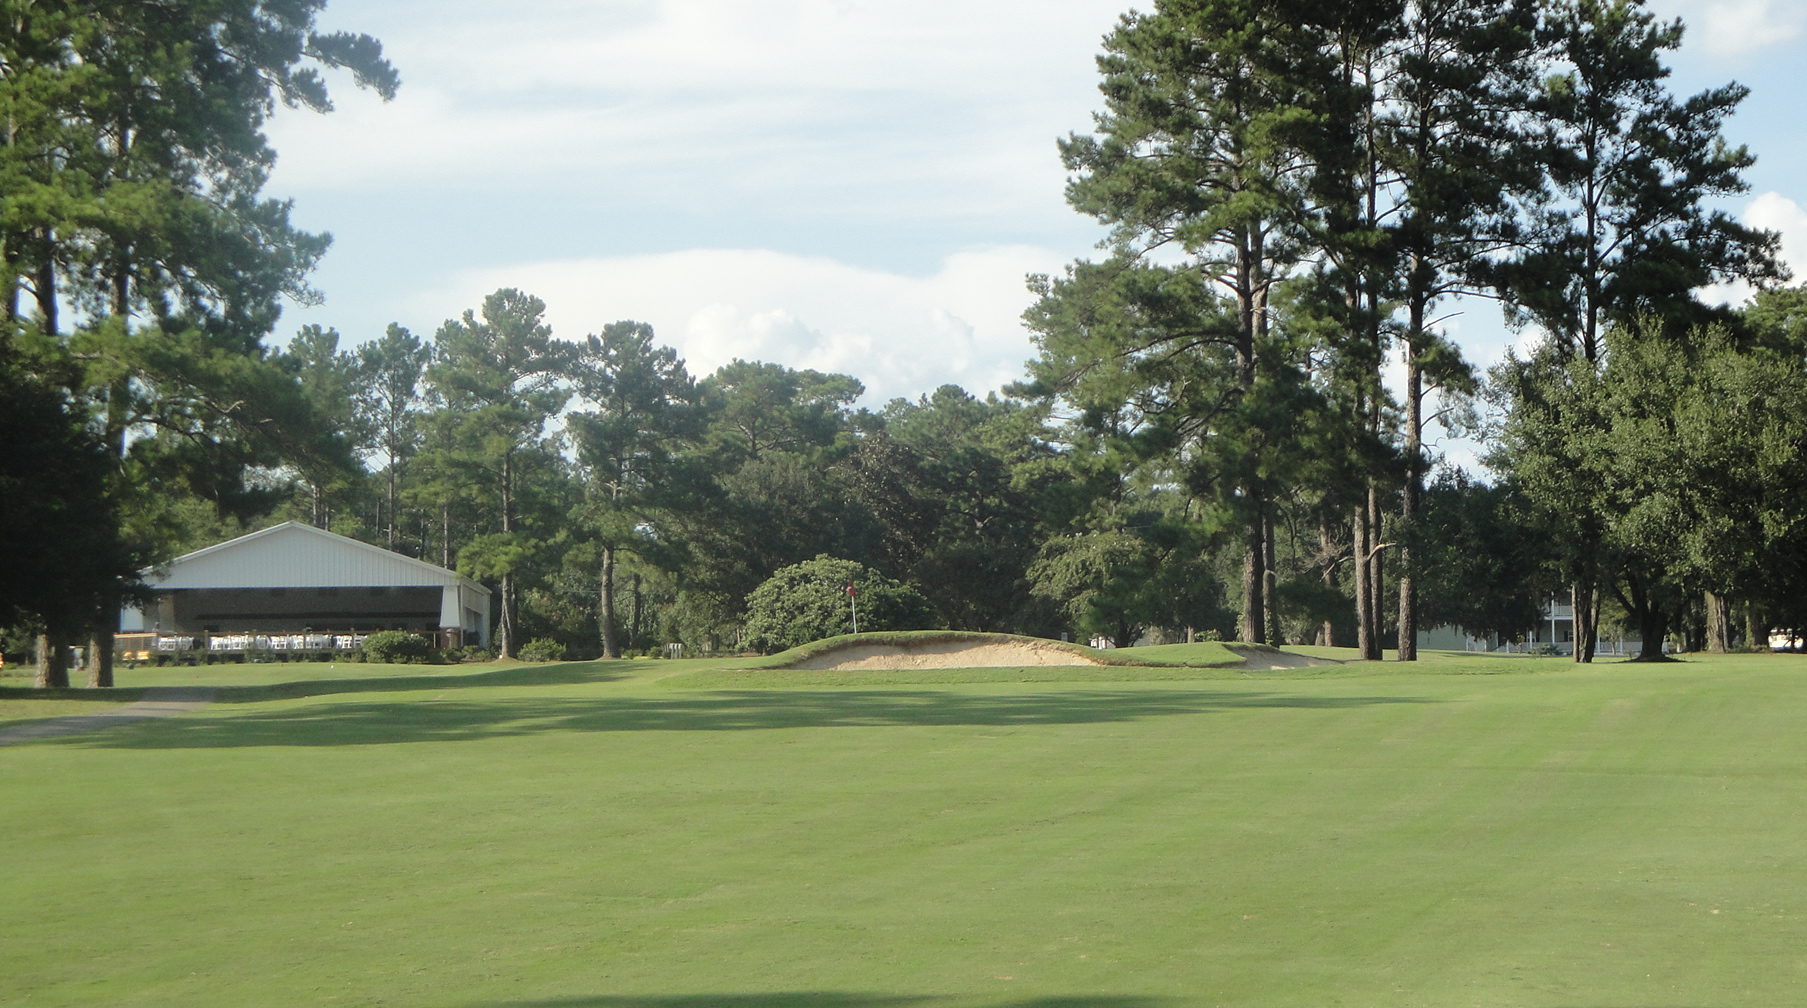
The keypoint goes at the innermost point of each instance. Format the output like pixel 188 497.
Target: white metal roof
pixel 293 555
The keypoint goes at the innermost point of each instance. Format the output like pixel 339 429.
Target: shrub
pixel 808 601
pixel 396 647
pixel 470 652
pixel 542 649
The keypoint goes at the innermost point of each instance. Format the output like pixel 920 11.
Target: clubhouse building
pixel 295 582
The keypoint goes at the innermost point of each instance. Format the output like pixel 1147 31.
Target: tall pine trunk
pixel 100 654
pixel 505 632
pixel 1368 577
pixel 1270 583
pixel 1583 603
pixel 1653 624
pixel 106 621
pixel 1756 634
pixel 1365 639
pixel 508 644
pixel 392 503
pixel 46 291
pixel 1719 623
pixel 53 663
pixel 1327 553
pixel 1251 306
pixel 611 644
pixel 1653 621
pixel 1413 489
pixel 1253 629
pixel 634 629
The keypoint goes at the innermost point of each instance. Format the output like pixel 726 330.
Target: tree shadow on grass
pixel 448 720
pixel 556 674
pixel 837 999
pixel 109 695
pixel 821 999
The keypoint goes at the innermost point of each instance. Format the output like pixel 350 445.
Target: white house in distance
pixel 1553 632
pixel 293 577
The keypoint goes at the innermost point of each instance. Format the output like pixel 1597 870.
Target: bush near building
pixel 398 648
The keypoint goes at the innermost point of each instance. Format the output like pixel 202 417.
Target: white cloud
pixel 1773 211
pixel 949 47
pixel 747 96
pixel 1770 211
pixel 1729 28
pixel 891 135
pixel 901 335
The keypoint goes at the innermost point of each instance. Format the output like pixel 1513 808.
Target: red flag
pixel 851 590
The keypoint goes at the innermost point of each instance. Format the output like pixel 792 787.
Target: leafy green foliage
pixel 542 649
pixel 763 488
pixel 941 477
pixel 1484 559
pixel 397 647
pixel 1678 456
pixel 63 555
pixel 809 601
pixel 757 408
pixel 1116 582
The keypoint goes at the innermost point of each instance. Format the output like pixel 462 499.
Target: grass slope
pixel 1486 832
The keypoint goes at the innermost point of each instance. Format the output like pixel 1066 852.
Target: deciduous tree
pixel 819 598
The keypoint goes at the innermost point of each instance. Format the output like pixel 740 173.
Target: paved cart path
pixel 159 701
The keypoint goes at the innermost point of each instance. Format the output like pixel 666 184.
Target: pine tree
pixel 1198 155
pixel 641 411
pixel 139 259
pixel 498 375
pixel 388 379
pixel 1622 228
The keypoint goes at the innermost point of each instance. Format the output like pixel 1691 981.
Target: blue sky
pixel 844 185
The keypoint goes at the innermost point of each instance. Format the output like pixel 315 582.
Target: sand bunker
pixel 1273 659
pixel 945 654
pixel 1006 652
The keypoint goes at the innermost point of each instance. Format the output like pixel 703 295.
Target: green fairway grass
pixel 20 702
pixel 1467 831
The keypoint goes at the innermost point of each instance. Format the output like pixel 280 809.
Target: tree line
pixel 1205 442
pixel 1294 190
pixel 616 502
